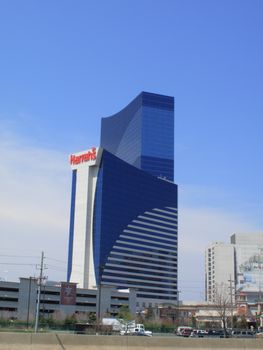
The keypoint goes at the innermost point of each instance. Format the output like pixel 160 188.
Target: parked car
pixel 259 332
pixel 184 331
pixel 198 333
pixel 217 333
pixel 243 334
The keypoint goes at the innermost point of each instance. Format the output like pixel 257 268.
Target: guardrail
pixel 55 341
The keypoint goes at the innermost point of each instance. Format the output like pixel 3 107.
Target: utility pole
pixel 39 291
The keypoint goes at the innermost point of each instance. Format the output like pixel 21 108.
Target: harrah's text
pixel 85 157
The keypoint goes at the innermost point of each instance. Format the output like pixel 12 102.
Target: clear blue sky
pixel 65 64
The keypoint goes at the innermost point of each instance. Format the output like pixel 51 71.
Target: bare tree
pixel 223 305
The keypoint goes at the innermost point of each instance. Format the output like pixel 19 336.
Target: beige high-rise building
pixel 249 265
pixel 236 267
pixel 219 269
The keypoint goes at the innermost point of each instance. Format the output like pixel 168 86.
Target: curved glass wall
pixel 135 230
pixel 142 134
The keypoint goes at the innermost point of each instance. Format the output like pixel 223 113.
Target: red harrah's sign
pixel 85 157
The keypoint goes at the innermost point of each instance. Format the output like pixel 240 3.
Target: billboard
pixel 68 293
pixel 249 260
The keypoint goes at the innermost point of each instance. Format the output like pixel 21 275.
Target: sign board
pixel 68 293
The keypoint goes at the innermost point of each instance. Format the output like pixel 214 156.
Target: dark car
pixel 243 334
pixel 217 333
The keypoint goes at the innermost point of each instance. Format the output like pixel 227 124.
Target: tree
pixel 124 313
pixel 242 323
pixel 70 321
pixel 150 315
pixel 140 318
pixel 223 304
pixel 92 318
pixel 193 321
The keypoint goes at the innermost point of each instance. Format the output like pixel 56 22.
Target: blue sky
pixel 65 64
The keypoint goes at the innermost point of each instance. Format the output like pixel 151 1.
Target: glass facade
pixel 142 134
pixel 135 230
pixel 139 211
pixel 126 221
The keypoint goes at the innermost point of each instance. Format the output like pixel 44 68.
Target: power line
pixel 56 268
pixel 19 256
pixel 61 261
pixel 190 281
pixel 6 263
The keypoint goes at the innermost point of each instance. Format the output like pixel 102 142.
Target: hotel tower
pixel 123 220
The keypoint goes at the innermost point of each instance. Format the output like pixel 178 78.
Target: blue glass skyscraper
pixel 142 134
pixel 123 228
